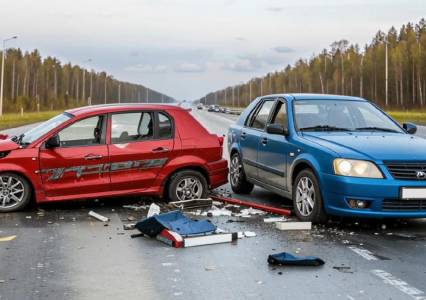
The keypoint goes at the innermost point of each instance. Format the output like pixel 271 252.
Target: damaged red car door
pixel 75 160
pixel 140 145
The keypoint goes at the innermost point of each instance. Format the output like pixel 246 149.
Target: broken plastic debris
pixel 293 225
pixel 274 219
pixel 249 234
pixel 7 238
pixel 291 260
pixel 247 212
pixel 129 226
pixel 217 212
pixel 98 216
pixel 154 209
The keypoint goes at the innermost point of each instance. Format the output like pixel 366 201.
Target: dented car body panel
pixel 118 161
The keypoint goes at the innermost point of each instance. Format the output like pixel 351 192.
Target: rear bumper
pixel 382 196
pixel 218 173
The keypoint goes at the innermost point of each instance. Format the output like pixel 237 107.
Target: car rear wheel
pixel 307 201
pixel 15 192
pixel 239 183
pixel 187 185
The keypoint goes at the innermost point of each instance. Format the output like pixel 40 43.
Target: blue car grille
pixel 406 170
pixel 405 205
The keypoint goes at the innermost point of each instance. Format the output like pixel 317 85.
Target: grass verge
pixel 418 117
pixel 11 120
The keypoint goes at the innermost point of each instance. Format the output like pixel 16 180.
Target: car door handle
pixel 243 135
pixel 160 149
pixel 264 141
pixel 92 157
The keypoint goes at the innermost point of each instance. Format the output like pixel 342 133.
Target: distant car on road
pixel 111 150
pixel 200 106
pixel 332 155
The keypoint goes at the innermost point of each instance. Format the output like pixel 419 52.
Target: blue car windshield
pixel 40 130
pixel 341 115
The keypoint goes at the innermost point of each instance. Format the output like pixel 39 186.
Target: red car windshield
pixel 40 130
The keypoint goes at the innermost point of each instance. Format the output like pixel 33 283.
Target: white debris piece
pixel 98 216
pixel 274 219
pixel 247 212
pixel 154 209
pixel 249 234
pixel 217 212
pixel 136 207
pixel 293 225
pixel 240 234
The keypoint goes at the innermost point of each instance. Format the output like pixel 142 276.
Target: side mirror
pixel 410 128
pixel 276 129
pixel 53 142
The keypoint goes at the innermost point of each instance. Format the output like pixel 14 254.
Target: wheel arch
pixel 27 178
pixel 197 168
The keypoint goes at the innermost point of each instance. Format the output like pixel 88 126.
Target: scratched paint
pixel 79 171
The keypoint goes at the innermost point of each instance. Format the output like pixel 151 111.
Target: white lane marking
pixel 400 284
pixel 368 255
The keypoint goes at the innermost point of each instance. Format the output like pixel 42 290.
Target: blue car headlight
pixel 356 168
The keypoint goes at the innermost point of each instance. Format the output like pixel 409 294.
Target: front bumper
pixel 218 173
pixel 338 190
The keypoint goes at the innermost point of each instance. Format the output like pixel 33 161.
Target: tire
pixel 187 185
pixel 15 192
pixel 307 200
pixel 239 183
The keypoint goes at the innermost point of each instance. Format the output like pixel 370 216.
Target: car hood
pixel 371 145
pixel 8 145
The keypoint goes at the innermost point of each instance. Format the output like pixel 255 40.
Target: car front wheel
pixel 239 183
pixel 187 185
pixel 307 201
pixel 15 192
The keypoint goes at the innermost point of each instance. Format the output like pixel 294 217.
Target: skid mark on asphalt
pixel 400 285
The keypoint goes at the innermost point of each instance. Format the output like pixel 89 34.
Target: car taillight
pixel 221 139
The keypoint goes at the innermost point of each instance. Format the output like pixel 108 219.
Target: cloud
pixel 189 68
pixel 147 68
pixel 243 64
pixel 275 9
pixel 283 49
pixel 240 38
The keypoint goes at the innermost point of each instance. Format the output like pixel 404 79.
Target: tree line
pixel 390 70
pixel 34 83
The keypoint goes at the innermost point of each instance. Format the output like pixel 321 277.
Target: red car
pixel 111 150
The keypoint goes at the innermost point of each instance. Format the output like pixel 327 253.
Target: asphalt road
pixel 61 253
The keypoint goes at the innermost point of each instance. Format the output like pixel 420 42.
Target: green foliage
pixel 32 82
pixel 348 70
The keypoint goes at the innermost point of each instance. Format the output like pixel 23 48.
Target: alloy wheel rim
pixel 12 191
pixel 305 196
pixel 235 170
pixel 189 188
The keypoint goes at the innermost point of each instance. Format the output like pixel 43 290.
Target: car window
pixel 130 127
pixel 164 126
pixel 82 133
pixel 261 118
pixel 280 115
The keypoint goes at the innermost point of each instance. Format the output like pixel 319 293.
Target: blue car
pixel 332 155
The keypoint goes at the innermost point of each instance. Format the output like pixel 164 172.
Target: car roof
pixel 307 96
pixel 110 108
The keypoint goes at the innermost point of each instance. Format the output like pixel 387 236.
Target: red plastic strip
pixel 271 209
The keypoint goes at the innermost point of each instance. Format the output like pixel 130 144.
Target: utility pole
pixel 250 91
pixel 91 86
pixel 55 85
pixel 147 93
pixel 105 89
pixel 226 96
pixel 361 79
pixel 386 72
pixel 238 91
pixel 2 72
pixel 261 86
pixel 119 93
pixel 233 97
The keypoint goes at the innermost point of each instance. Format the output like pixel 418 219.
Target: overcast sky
pixel 186 48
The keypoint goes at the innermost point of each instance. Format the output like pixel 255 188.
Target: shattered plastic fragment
pixel 249 234
pixel 154 209
pixel 7 238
